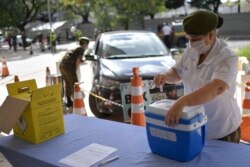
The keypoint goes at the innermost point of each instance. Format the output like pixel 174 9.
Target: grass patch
pixel 244 52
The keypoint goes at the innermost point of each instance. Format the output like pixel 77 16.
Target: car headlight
pixel 109 82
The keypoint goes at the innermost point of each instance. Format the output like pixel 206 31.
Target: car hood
pixel 121 69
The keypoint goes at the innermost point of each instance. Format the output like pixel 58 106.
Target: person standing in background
pixel 167 35
pixel 78 34
pixel 8 39
pixel 52 39
pixel 40 41
pixel 14 41
pixel 24 42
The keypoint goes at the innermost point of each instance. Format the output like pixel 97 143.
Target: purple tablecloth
pixel 131 142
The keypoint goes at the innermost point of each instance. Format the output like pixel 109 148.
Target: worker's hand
pixel 173 114
pixel 160 80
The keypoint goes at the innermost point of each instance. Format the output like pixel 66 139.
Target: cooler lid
pixel 161 108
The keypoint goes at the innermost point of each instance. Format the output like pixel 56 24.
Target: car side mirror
pixel 174 51
pixel 91 57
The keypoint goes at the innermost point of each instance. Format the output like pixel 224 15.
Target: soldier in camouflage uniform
pixel 53 37
pixel 68 67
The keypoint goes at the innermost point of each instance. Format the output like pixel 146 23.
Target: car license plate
pixel 158 96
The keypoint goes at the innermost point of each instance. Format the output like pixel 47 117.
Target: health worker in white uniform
pixel 208 70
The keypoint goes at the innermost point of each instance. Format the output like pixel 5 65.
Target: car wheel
pixel 116 115
pixel 95 107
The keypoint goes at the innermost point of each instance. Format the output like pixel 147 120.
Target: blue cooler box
pixel 181 142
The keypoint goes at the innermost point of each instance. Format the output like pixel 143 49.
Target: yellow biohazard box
pixel 35 114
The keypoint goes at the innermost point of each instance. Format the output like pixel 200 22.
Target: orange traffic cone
pixel 137 103
pixel 245 125
pixel 78 104
pixel 48 74
pixel 16 78
pixel 5 70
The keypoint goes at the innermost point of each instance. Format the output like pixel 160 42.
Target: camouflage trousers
pixel 70 78
pixel 233 137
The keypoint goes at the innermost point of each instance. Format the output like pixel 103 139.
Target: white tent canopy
pixel 46 26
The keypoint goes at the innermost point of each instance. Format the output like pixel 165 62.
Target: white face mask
pixel 200 46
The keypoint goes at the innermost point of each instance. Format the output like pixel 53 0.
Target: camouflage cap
pixel 84 39
pixel 200 22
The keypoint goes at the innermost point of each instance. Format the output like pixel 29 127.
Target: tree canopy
pixel 174 4
pixel 122 12
pixel 206 4
pixel 79 7
pixel 106 13
pixel 18 13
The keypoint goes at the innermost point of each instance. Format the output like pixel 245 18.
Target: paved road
pixel 34 67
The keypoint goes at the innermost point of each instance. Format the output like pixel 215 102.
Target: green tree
pixel 174 4
pixel 18 13
pixel 206 4
pixel 104 15
pixel 43 15
pixel 79 7
pixel 123 12
pixel 232 4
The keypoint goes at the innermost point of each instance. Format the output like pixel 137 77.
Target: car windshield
pixel 131 45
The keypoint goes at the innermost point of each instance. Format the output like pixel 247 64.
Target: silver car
pixel 114 55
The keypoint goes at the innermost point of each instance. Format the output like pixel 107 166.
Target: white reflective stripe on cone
pixel 136 90
pixel 137 108
pixel 79 111
pixel 245 111
pixel 78 95
pixel 247 95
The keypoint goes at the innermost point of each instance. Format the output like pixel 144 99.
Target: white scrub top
pixel 223 112
pixel 166 30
